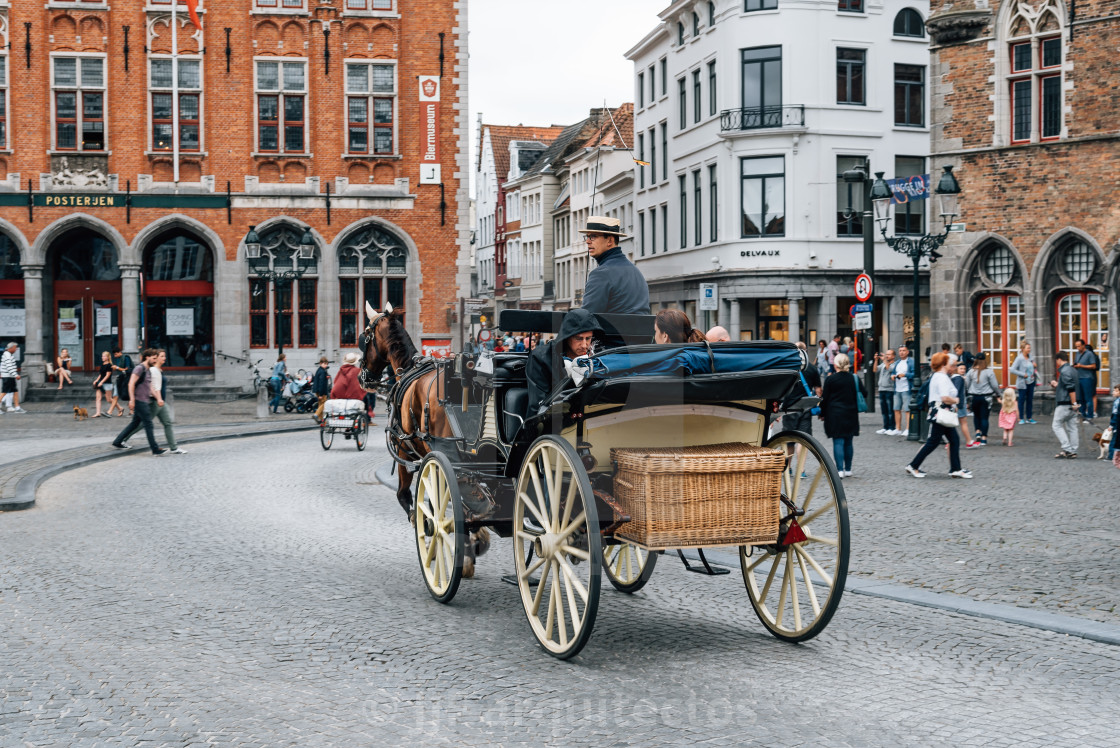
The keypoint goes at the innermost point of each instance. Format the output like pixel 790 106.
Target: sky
pixel 544 63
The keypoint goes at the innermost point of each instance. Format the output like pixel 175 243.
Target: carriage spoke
pixel 808 585
pixel 573 611
pixel 530 569
pixel 807 519
pixel 754 564
pixel 784 588
pixel 540 590
pixel 821 472
pixel 569 500
pixel 571 526
pixel 811 538
pixel 802 554
pixel 795 602
pixel 579 553
pixel 570 574
pixel 524 497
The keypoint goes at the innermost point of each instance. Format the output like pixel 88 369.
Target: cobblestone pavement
pixel 144 602
pixel 1028 530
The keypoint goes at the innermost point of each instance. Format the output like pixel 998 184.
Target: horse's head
pixel 384 344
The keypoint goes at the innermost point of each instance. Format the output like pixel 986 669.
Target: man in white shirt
pixel 902 374
pixel 9 376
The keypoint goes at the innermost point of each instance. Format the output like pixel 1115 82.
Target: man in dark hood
pixel 615 286
pixel 546 362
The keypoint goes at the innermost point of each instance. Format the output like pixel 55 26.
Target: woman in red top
pixel 346 385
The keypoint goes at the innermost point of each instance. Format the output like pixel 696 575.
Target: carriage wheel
pixel 628 566
pixel 361 433
pixel 440 527
pixel 326 436
pixel 796 586
pixel 557 549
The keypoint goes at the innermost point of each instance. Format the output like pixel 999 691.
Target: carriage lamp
pixel 947 194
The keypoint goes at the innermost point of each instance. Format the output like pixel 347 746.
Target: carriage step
pixel 512 579
pixel 707 569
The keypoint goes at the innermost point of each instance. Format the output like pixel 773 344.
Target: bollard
pixel 262 402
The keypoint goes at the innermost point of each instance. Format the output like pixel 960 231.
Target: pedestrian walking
pixel 161 411
pixel 794 417
pixel 833 351
pixel 9 380
pixel 1026 372
pixel 903 375
pixel 1008 411
pixel 321 386
pixel 103 384
pixel 140 397
pixel 956 374
pixel 822 359
pixel 942 397
pixel 964 355
pixel 1065 410
pixel 1114 446
pixel 884 363
pixel 982 387
pixel 1086 362
pixel 276 381
pixel 122 365
pixel 840 412
pixel 62 364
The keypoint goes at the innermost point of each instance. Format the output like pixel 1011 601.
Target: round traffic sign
pixel 863 287
pixel 484 335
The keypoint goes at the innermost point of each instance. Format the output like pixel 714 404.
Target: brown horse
pixel 414 408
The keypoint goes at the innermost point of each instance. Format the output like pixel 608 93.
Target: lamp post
pixel 916 248
pixel 262 265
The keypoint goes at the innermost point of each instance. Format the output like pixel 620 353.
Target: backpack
pixel 923 394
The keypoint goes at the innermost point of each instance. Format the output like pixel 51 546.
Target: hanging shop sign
pixel 429 126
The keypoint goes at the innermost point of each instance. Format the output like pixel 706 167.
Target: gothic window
pixel 283 311
pixel 373 269
pixel 1032 63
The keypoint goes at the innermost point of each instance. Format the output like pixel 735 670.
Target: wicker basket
pixel 690 497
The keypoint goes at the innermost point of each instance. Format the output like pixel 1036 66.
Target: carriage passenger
pixel 577 332
pixel 674 326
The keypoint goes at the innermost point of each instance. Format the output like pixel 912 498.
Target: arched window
pixel 373 269
pixel 290 302
pixel 1034 77
pixel 12 312
pixel 1085 315
pixel 1000 313
pixel 179 299
pixel 909 22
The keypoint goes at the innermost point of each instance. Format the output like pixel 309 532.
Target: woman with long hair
pixel 674 326
pixel 942 394
pixel 62 367
pixel 982 387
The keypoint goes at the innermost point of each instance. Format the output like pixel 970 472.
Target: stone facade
pixel 1026 108
pixel 103 172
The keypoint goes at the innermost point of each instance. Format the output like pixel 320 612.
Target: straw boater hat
pixel 604 225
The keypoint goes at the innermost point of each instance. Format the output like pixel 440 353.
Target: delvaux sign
pixel 429 126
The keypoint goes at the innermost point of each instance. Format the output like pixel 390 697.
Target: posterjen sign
pixel 429 126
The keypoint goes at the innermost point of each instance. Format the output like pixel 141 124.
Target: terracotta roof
pixel 501 135
pixel 624 122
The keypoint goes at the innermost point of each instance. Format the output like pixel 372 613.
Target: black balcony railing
pixel 761 117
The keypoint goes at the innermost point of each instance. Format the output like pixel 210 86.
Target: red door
pixel 87 321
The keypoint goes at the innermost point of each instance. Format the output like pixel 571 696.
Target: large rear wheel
pixel 361 432
pixel 440 527
pixel 326 437
pixel 628 566
pixel 556 538
pixel 795 584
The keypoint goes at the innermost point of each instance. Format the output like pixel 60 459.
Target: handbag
pixel 861 403
pixel 946 417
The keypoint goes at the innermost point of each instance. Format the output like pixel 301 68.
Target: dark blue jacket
pixel 616 286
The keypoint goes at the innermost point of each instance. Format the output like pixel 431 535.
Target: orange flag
pixel 192 8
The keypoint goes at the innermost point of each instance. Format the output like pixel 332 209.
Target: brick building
pixel 1026 107
pixel 336 124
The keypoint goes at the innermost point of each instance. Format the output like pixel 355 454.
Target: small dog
pixel 1103 440
pixel 80 413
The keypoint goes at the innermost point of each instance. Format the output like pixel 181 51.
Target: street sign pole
pixel 869 269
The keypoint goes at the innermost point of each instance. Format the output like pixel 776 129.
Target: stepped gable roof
pixel 624 121
pixel 501 135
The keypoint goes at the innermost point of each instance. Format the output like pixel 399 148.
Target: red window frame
pixel 165 121
pixel 282 310
pixel 3 116
pixel 1042 107
pixel 369 4
pixel 1005 368
pixel 290 124
pixel 306 291
pixel 347 313
pixel 383 126
pixel 195 122
pixel 273 123
pixel 60 121
pixel 1030 117
pixel 88 119
pixel 353 125
pixel 1084 327
pixel 258 309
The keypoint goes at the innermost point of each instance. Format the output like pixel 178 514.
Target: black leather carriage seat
pixel 515 403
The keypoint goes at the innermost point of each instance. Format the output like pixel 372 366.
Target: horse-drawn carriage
pixel 656 447
pixel 346 417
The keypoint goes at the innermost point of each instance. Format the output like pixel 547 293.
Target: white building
pixel 748 112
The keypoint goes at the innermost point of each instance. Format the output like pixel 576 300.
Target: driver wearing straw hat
pixel 616 286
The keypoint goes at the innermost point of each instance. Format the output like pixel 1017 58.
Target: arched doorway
pixel 178 299
pixel 13 315
pixel 87 297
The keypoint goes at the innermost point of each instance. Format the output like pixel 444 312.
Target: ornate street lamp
pixel 262 267
pixel 916 248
